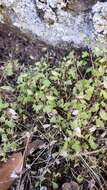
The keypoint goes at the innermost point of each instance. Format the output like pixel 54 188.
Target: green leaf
pixel 99 123
pixel 72 74
pixel 29 92
pixel 50 98
pixel 9 69
pixel 76 146
pixel 97 52
pixel 101 70
pixel 3 105
pixel 92 142
pixel 85 54
pixel 103 114
pixel 95 107
pixel 89 92
pixel 4 138
pixel 53 119
pixel 55 73
pixel 55 185
pixel 9 147
pixel 104 94
pixel 37 107
pixel 9 124
pixel 47 109
pixel 46 83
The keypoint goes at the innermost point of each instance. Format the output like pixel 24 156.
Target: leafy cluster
pixel 72 97
pixel 63 106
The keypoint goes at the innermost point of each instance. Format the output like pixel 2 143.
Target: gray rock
pixel 100 23
pixel 58 23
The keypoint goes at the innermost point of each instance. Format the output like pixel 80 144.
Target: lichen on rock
pixel 61 23
pixel 100 23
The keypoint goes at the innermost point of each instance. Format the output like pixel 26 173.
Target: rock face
pixel 100 23
pixel 61 23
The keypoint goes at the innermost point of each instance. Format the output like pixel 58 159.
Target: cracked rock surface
pixel 61 23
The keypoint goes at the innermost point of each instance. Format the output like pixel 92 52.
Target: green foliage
pixel 7 126
pixel 7 122
pixel 10 67
pixel 72 96
pixel 65 106
pixel 3 105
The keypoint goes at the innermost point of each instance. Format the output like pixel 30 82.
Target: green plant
pixel 7 125
pixel 65 108
pixel 72 97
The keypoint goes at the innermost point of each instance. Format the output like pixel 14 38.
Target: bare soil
pixel 13 45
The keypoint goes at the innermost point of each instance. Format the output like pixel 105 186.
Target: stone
pixel 80 6
pixel 70 186
pixel 100 23
pixel 60 23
